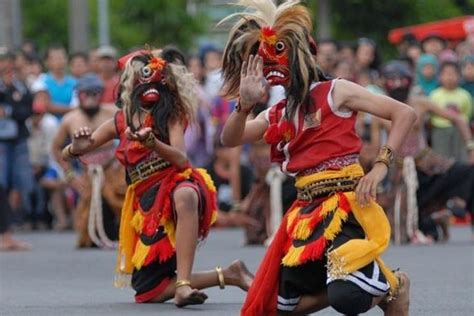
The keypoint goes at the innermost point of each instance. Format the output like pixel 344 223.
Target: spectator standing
pixel 327 56
pixel 15 107
pixel 7 242
pixel 367 56
pixel 446 139
pixel 107 66
pixel 433 44
pixel 94 61
pixel 212 61
pixel 79 64
pixel 59 84
pixel 198 136
pixel 467 69
pixel 427 69
pixel 346 52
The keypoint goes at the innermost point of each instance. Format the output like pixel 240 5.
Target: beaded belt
pixel 326 187
pixel 145 169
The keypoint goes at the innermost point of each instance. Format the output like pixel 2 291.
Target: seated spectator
pixel 48 185
pixel 220 171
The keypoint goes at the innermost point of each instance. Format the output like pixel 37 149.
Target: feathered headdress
pixel 264 23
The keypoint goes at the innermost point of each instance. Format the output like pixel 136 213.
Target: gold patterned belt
pixel 145 169
pixel 326 187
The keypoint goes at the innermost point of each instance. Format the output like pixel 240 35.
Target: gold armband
pixel 385 155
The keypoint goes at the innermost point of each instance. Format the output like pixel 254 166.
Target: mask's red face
pixel 150 73
pixel 275 58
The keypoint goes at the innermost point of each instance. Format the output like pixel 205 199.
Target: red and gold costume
pixel 148 222
pixel 325 237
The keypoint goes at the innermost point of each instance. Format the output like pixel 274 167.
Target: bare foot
pixel 237 274
pixel 400 304
pixel 185 295
pixel 7 243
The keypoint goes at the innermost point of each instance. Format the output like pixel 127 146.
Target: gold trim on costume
pixel 145 169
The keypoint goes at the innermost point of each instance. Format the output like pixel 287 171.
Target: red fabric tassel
pixel 314 250
pixel 344 203
pixel 162 250
pixel 262 296
pixel 287 131
pixel 272 135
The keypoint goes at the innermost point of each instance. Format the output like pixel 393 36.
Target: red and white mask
pixel 275 57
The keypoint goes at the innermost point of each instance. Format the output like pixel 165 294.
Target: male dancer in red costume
pixel 169 205
pixel 327 250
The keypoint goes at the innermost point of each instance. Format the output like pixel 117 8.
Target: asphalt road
pixel 56 279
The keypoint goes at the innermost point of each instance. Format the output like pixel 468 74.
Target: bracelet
pixel 385 155
pixel 238 109
pixel 149 142
pixel 68 154
pixel 181 283
pixel 220 276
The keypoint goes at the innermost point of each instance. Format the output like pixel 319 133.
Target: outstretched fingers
pixel 83 132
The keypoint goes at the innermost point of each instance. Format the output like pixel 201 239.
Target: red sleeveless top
pixel 128 152
pixel 322 134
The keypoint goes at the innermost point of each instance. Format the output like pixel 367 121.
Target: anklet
pixel 220 275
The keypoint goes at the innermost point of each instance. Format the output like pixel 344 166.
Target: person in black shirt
pixel 16 174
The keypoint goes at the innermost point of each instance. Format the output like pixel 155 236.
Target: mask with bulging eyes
pixel 274 53
pixel 152 72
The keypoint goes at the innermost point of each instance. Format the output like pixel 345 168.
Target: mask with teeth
pixel 150 74
pixel 281 36
pixel 275 57
pixel 158 83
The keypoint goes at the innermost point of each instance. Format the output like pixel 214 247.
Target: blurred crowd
pixel 37 89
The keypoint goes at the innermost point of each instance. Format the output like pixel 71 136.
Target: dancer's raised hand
pixel 81 140
pixel 253 85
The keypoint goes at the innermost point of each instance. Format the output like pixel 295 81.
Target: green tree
pixel 45 22
pixel 132 22
pixel 157 23
pixel 352 19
